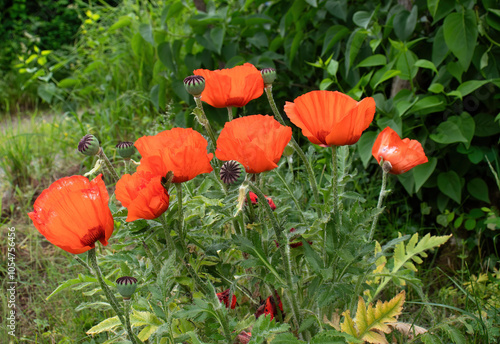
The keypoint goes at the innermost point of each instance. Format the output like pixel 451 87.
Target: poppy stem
pixel 379 204
pixel 126 310
pixel 151 257
pixel 283 246
pixel 168 237
pixel 202 118
pixel 110 167
pixel 180 232
pixel 109 295
pixel 335 191
pixel 296 147
pixel 230 113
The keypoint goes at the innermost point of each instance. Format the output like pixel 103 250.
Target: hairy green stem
pixel 296 147
pixel 168 237
pixel 230 113
pixel 204 121
pixel 283 245
pixel 126 310
pixel 379 204
pixel 109 295
pixel 180 212
pixel 110 167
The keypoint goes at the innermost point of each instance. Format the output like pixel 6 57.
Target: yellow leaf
pixel 370 321
pixel 348 325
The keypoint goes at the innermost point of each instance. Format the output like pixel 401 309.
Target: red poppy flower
pixel 143 195
pixel 73 213
pixel 268 307
pixel 231 87
pixel 331 118
pixel 294 244
pixel 182 151
pixel 403 155
pixel 254 199
pixel 257 142
pixel 224 298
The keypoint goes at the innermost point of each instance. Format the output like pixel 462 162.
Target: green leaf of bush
pixel 449 184
pixel 478 189
pixel 460 34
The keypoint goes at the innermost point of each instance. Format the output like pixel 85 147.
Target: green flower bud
pixel 232 173
pixel 88 145
pixel 194 84
pixel 289 150
pixel 269 75
pixel 125 149
pixel 126 286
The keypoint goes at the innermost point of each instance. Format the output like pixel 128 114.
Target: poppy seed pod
pixel 125 149
pixel 126 286
pixel 194 84
pixel 88 145
pixel 232 173
pixel 269 75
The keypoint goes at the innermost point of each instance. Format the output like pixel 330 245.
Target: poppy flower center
pixel 93 234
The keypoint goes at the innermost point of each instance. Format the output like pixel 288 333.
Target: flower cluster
pixel 73 213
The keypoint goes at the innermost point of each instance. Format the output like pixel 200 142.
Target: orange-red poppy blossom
pixel 403 155
pixel 255 199
pixel 73 214
pixel 143 195
pixel 232 86
pixel 331 118
pixel 257 142
pixel 182 151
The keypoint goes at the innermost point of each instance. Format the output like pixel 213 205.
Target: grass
pixel 40 268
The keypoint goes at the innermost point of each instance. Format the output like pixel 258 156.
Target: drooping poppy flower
pixel 73 214
pixel 143 195
pixel 182 151
pixel 403 155
pixel 224 298
pixel 232 86
pixel 268 307
pixel 257 142
pixel 331 118
pixel 254 199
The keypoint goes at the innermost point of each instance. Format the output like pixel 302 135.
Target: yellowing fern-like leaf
pixel 371 321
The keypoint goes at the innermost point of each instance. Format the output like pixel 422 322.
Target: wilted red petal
pixel 73 214
pixel 331 118
pixel 402 154
pixel 257 142
pixel 232 86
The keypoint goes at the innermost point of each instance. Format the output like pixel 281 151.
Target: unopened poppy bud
pixel 194 84
pixel 125 149
pixel 269 75
pixel 386 166
pixel 288 150
pixel 88 145
pixel 126 286
pixel 232 173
